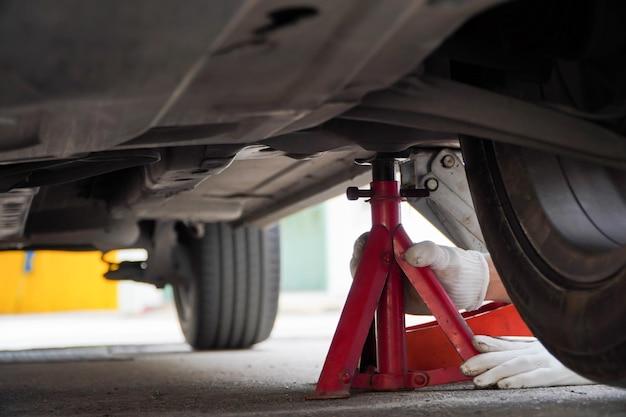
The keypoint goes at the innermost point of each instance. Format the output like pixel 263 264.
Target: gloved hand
pixel 515 362
pixel 463 273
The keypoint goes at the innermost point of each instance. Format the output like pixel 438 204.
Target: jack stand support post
pixel 377 291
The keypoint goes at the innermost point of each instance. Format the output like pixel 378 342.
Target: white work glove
pixel 517 362
pixel 464 274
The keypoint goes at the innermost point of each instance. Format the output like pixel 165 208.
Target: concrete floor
pixel 270 380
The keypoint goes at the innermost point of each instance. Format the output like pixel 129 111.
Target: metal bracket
pixel 168 262
pixel 449 206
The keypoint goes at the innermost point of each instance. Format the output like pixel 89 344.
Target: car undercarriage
pixel 134 124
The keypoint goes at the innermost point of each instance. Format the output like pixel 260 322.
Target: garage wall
pixel 303 253
pixel 46 281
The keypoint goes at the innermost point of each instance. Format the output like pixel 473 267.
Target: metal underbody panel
pixel 198 84
pixel 247 110
pixel 87 78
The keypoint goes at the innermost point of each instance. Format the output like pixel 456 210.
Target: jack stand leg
pixel 345 349
pixel 435 298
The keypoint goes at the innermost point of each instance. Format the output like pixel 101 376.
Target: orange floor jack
pixel 382 354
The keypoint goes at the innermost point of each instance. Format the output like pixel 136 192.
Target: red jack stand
pixel 378 289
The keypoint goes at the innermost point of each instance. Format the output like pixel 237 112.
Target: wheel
pixel 229 298
pixel 556 229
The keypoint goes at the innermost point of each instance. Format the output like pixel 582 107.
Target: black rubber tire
pixel 582 324
pixel 231 300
